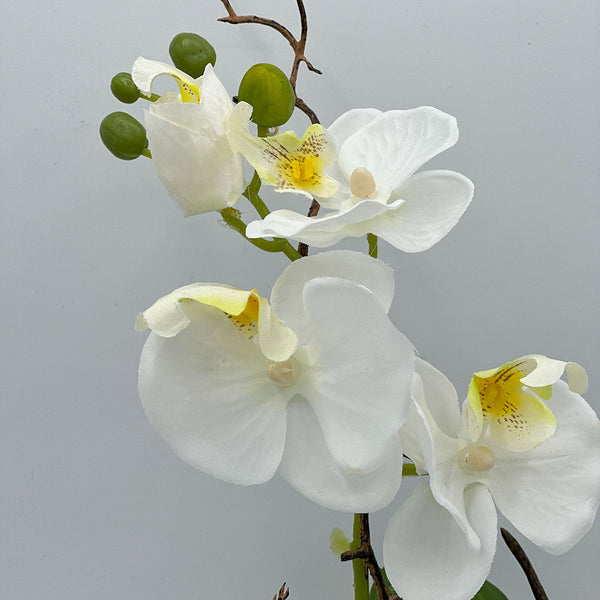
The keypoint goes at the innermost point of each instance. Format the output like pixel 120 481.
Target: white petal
pixel 322 232
pixel 426 554
pixel 286 297
pixel 439 453
pixel 215 101
pixel 145 71
pixel 309 468
pixel 549 370
pixel 200 172
pixel 551 493
pixel 207 393
pixel 434 202
pixel 395 144
pixel 441 397
pixel 365 368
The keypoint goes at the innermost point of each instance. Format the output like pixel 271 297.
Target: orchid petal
pixel 206 393
pixel 363 392
pixel 551 493
pixel 144 72
pixel 286 297
pixel 434 201
pixel 396 143
pixel 307 465
pixel 426 555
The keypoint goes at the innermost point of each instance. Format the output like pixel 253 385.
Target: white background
pixel 93 503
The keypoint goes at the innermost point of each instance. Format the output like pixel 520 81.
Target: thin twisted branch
pixel 525 563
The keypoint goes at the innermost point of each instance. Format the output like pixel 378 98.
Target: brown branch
pixel 312 212
pixel 365 552
pixel 525 563
pixel 298 45
pixel 283 593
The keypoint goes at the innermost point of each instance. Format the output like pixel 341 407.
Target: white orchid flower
pixel 316 382
pixel 441 542
pixel 379 193
pixel 187 137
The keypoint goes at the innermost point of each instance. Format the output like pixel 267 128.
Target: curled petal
pixel 144 72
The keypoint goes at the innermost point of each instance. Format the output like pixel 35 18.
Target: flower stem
pixel 373 244
pixel 230 216
pixel 361 581
pixel 251 192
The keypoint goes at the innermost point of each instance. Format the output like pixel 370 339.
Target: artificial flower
pixel 286 161
pixel 378 154
pixel 441 542
pixel 187 137
pixel 317 380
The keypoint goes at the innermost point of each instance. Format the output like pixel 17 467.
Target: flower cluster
pixel 316 383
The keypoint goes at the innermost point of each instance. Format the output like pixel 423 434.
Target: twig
pixel 297 45
pixel 365 551
pixel 283 593
pixel 312 212
pixel 525 563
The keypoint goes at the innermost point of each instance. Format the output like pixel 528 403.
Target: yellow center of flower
pixel 247 320
pixel 302 170
pixel 478 458
pixel 516 413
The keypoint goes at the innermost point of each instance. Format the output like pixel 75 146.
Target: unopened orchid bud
pixel 268 90
pixel 124 89
pixel 123 135
pixel 191 53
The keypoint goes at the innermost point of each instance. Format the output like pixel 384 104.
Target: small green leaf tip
pixel 123 135
pixel 489 592
pixel 191 53
pixel 268 90
pixel 338 542
pixel 124 89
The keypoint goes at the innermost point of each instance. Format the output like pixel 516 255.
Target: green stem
pixel 146 152
pixel 150 98
pixel 409 470
pixel 276 245
pixel 251 192
pixel 373 247
pixel 361 582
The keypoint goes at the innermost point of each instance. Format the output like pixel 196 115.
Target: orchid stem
pixel 251 192
pixel 373 244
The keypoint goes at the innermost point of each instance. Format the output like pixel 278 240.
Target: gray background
pixel 94 505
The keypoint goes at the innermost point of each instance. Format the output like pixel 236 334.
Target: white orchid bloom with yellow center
pixel 187 138
pixel 285 161
pixel 441 542
pixel 315 382
pixel 377 157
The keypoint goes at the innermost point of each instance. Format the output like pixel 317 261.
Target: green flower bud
pixel 124 89
pixel 191 53
pixel 268 90
pixel 123 135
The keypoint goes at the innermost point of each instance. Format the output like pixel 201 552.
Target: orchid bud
pixel 268 90
pixel 123 135
pixel 191 53
pixel 124 89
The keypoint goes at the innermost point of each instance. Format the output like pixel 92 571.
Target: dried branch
pixel 365 552
pixel 525 563
pixel 283 593
pixel 298 45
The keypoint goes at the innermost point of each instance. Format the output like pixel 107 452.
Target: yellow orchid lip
pixel 286 161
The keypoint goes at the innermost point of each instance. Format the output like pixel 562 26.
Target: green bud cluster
pixel 268 90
